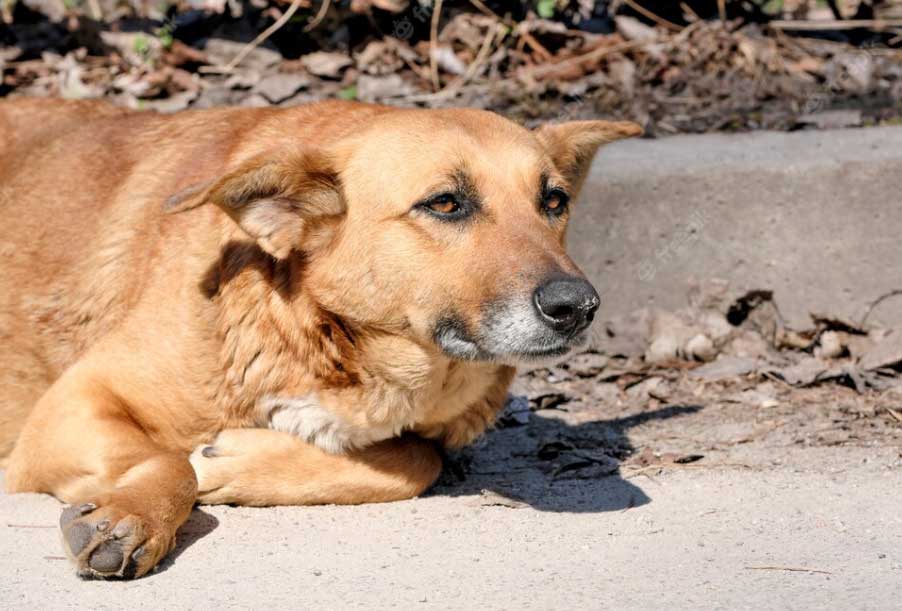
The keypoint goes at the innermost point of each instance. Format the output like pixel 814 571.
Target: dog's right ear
pixel 274 199
pixel 572 145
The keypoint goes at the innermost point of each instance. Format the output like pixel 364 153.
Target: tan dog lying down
pixel 323 294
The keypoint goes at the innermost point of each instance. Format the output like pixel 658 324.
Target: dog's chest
pixel 389 402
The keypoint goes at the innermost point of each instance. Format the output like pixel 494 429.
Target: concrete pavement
pixel 787 537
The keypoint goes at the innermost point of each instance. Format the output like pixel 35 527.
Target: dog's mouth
pixel 510 336
pixel 517 329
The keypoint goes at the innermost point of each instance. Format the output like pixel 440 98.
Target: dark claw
pixel 122 529
pixel 107 558
pixel 78 537
pixel 131 569
pixel 70 513
pixel 209 452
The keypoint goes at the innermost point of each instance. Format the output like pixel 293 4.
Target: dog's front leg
pixel 128 495
pixel 266 467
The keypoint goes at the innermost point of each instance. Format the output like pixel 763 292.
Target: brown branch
pixel 259 40
pixel 688 10
pixel 96 11
pixel 482 8
pixel 650 15
pixel 543 53
pixel 6 11
pixel 877 302
pixel 593 55
pixel 837 14
pixel 452 89
pixel 834 24
pixel 433 45
pixel 320 15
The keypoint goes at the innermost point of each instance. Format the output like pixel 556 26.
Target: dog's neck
pixel 277 344
pixel 268 341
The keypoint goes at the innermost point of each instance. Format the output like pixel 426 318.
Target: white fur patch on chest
pixel 305 417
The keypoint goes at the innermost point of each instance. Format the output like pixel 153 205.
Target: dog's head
pixel 446 226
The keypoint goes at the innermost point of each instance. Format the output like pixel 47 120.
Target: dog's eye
pixel 444 204
pixel 555 202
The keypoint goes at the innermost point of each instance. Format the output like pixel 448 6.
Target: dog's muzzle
pixel 548 323
pixel 566 304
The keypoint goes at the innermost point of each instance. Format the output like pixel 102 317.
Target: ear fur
pixel 274 199
pixel 572 145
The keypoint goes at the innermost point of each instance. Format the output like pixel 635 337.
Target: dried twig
pixel 693 16
pixel 529 39
pixel 650 15
pixel 523 34
pixel 320 15
pixel 482 8
pixel 722 11
pixel 259 40
pixel 452 89
pixel 6 11
pixel 481 56
pixel 593 55
pixel 894 414
pixel 797 569
pixel 876 302
pixel 96 12
pixel 433 45
pixel 837 14
pixel 835 24
pixel 422 72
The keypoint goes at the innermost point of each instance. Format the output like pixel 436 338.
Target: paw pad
pixel 103 542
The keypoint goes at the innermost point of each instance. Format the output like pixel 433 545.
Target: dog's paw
pixel 106 541
pixel 235 467
pixel 210 476
pixel 218 468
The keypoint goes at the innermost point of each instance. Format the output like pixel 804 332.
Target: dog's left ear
pixel 572 145
pixel 276 200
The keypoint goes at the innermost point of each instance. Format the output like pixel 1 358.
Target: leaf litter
pixel 670 71
pixel 608 409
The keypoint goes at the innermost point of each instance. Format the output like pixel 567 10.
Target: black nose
pixel 567 304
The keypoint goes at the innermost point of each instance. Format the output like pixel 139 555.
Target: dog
pixel 268 306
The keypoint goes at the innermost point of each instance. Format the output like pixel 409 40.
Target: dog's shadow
pixel 199 525
pixel 547 464
pixel 553 466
